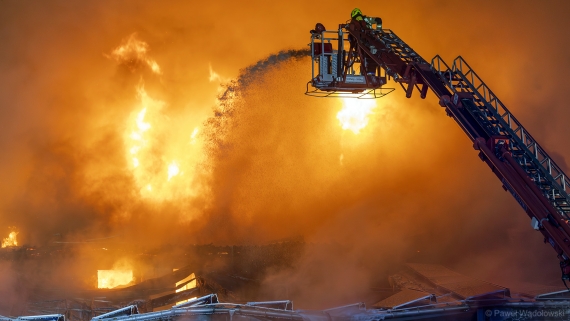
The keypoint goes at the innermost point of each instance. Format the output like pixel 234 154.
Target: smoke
pixel 132 53
pixel 264 164
pixel 8 287
pixel 234 90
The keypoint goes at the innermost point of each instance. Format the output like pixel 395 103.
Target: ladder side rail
pixel 391 53
pixel 449 78
pixel 386 57
pixel 390 37
pixel 535 172
pixel 516 127
pixel 547 167
pixel 513 182
pixel 397 63
pixel 465 118
pixel 441 68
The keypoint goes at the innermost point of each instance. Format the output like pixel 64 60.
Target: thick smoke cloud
pixel 409 187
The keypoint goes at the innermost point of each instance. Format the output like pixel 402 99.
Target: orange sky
pixel 410 187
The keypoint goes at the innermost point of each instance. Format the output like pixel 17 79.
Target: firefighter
pixel 357 15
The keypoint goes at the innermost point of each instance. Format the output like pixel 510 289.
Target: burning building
pixel 417 291
pixel 131 134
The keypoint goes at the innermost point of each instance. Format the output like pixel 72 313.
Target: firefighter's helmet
pixel 319 28
pixel 355 13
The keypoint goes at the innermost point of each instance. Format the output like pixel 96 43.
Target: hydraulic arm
pixel 521 164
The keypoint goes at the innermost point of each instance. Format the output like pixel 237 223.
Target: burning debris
pixel 234 272
pixel 120 275
pixel 109 279
pixel 11 240
pixel 419 291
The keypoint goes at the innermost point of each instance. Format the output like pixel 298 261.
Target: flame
pixel 108 279
pixel 355 113
pixel 10 240
pixel 138 136
pixel 173 170
pixel 133 52
pixel 187 286
pixel 160 148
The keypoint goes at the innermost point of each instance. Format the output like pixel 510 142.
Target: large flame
pixel 355 113
pixel 162 151
pixel 10 240
pixel 108 279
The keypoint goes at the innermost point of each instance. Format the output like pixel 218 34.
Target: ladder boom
pixel 524 168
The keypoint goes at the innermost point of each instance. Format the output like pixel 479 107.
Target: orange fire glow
pixel 162 152
pixel 10 240
pixel 354 115
pixel 108 279
pixel 134 51
pixel 108 134
pixel 187 286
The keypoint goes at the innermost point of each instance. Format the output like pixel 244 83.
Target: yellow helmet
pixel 355 12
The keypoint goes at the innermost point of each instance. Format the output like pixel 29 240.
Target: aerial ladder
pixel 358 59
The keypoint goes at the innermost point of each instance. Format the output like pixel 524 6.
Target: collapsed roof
pixel 420 291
